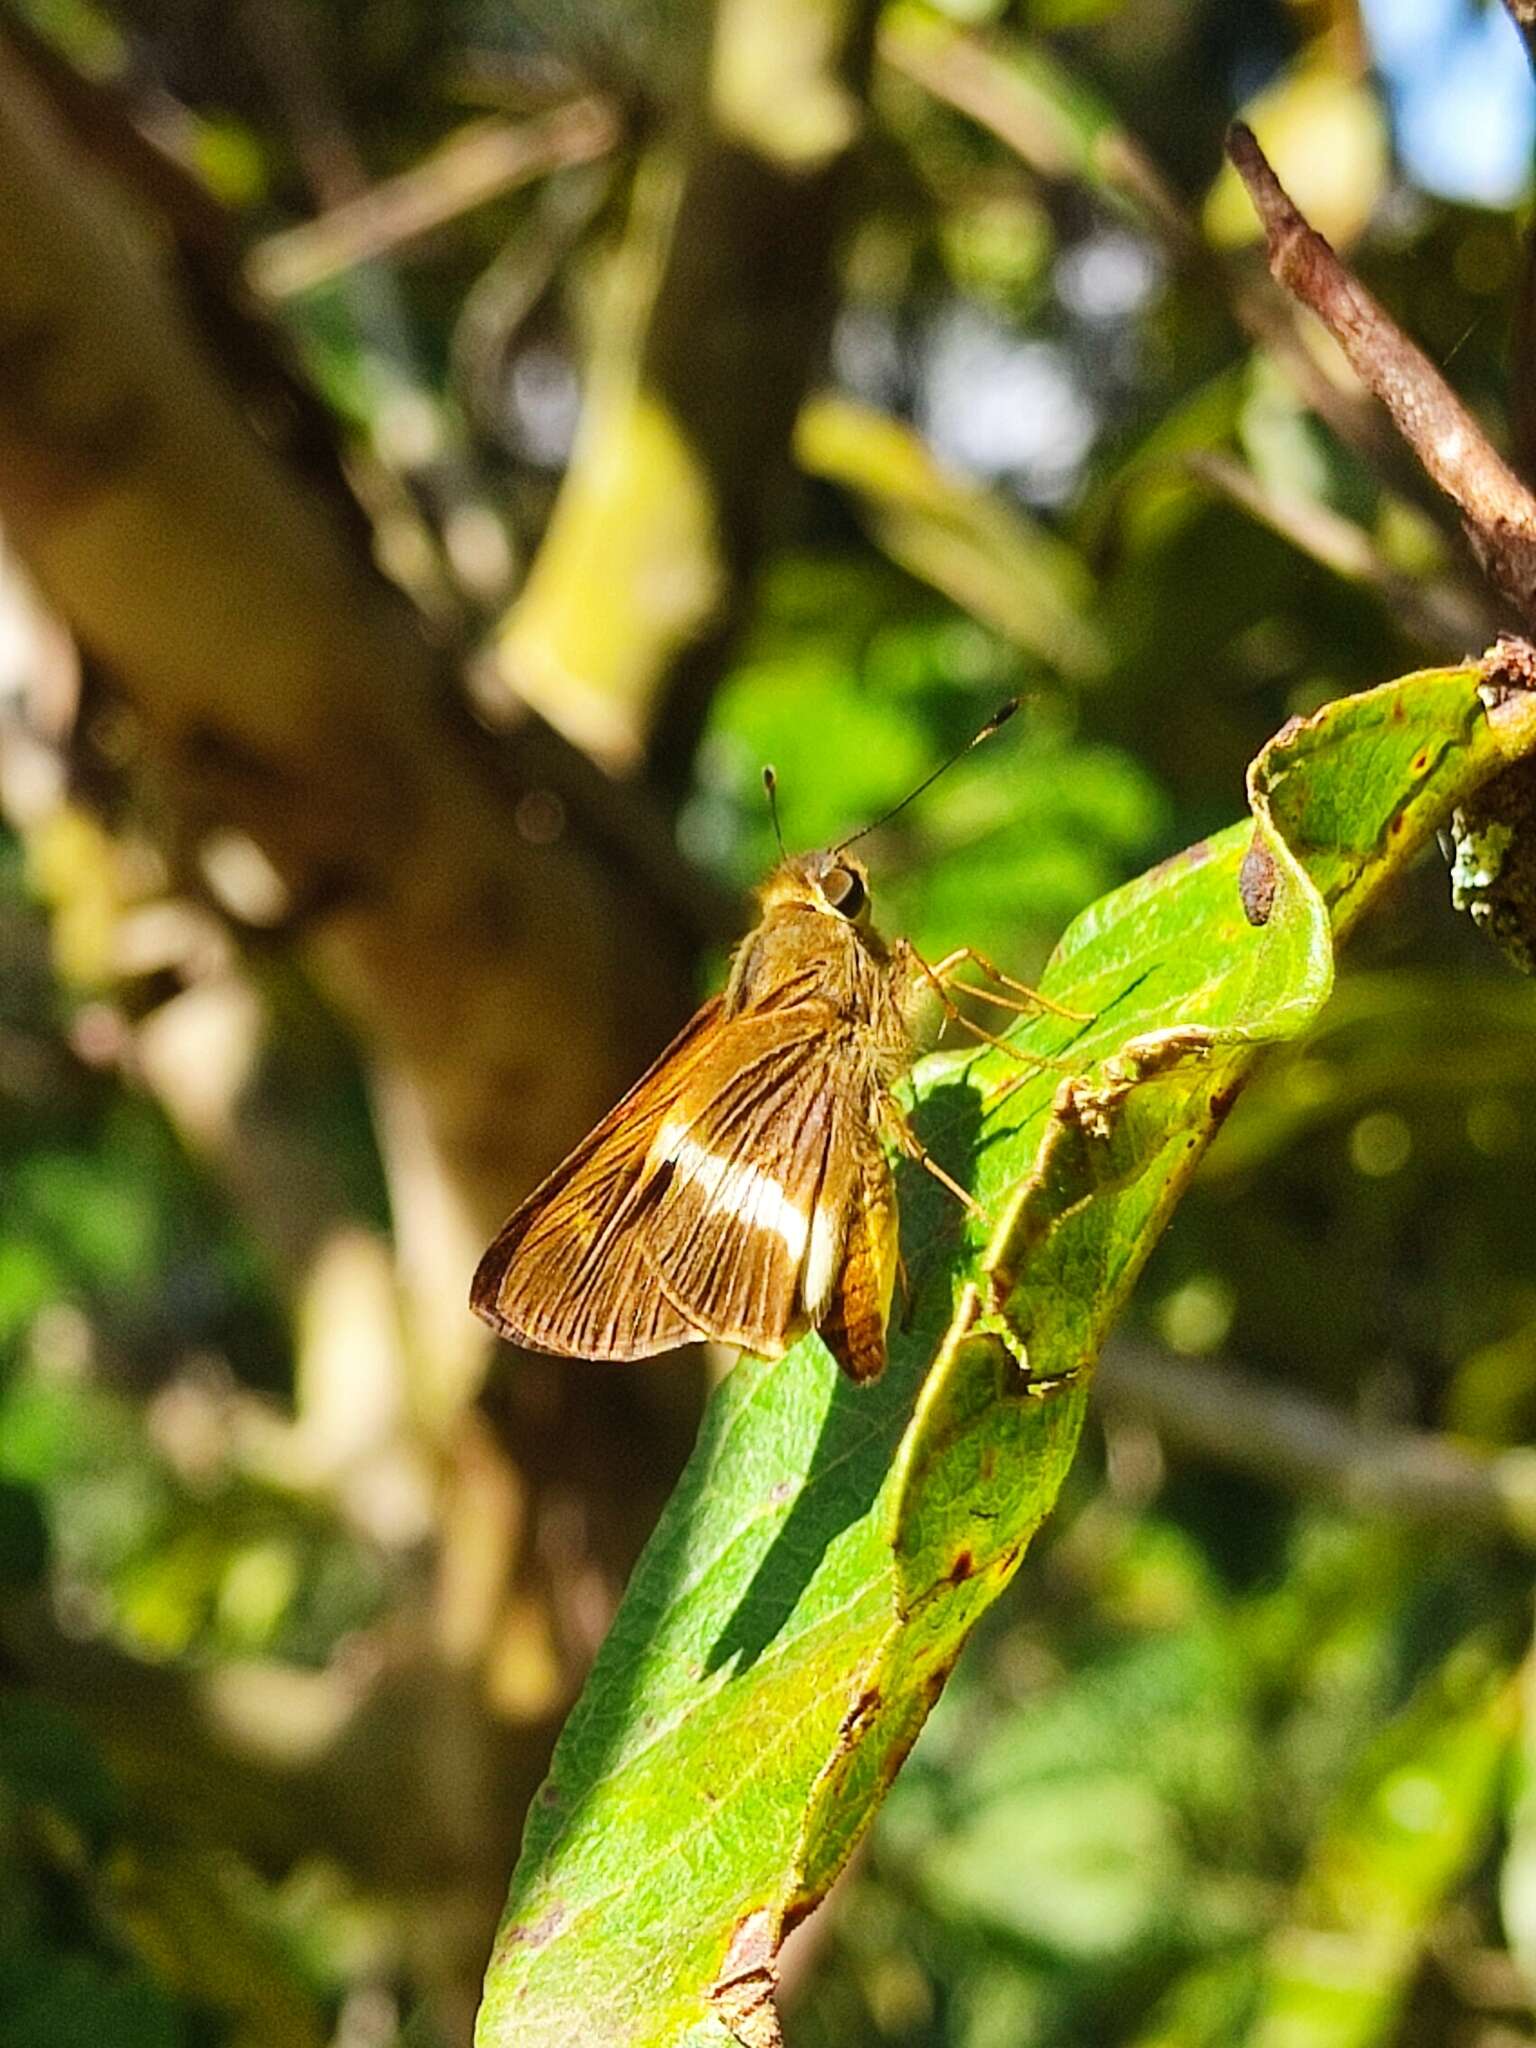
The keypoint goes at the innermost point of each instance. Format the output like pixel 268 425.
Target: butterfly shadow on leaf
pixel 862 1425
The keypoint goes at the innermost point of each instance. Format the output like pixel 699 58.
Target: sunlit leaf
pixel 1414 1820
pixel 967 541
pixel 830 1547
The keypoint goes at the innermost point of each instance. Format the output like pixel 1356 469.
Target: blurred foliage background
pixel 444 452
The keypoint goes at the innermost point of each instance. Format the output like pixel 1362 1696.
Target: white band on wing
pixel 737 1186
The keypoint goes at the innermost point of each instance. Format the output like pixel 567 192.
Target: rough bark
pixel 283 689
pixel 508 944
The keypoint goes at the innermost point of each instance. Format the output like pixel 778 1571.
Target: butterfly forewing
pixel 710 1202
pixel 740 1190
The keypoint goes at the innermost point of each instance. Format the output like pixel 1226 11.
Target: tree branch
pixel 1523 14
pixel 1498 512
pixel 1047 118
pixel 480 163
pixel 286 691
pixel 508 969
pixel 1215 1412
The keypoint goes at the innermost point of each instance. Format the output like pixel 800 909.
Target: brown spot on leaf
pixel 901 1749
pixel 798 1909
pixel 1509 669
pixel 858 1717
pixel 962 1568
pixel 1420 761
pixel 742 1994
pixel 1221 1102
pixel 536 1932
pixel 1194 856
pixel 752 1946
pixel 1257 880
pixel 934 1683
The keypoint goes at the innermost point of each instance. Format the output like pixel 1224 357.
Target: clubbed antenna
pixel 1000 717
pixel 771 785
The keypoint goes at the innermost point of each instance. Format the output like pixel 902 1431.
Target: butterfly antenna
pixel 771 786
pixel 999 718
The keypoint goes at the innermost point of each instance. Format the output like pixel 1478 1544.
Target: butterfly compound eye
pixel 844 890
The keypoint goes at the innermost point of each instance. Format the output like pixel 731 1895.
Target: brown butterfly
pixel 741 1189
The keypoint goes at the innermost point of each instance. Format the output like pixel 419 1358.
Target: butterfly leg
pixel 944 970
pixel 956 1015
pixel 914 1148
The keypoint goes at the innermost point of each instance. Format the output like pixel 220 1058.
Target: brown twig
pixel 1435 614
pixel 1498 513
pixel 1216 1412
pixel 967 73
pixel 1522 337
pixel 1523 14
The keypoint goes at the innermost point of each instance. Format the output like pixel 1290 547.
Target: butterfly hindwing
pixel 746 1237
pixel 853 1328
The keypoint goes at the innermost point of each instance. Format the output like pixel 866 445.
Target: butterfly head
pixel 833 882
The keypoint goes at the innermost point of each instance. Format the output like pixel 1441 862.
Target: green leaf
pixel 71 2001
pixel 1410 1828
pixel 830 1547
pixel 48 1760
pixel 969 542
